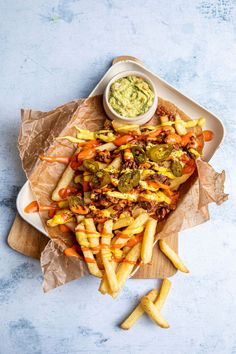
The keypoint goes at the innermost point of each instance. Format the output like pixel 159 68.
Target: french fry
pixel 153 312
pixel 179 125
pixel 172 256
pixel 126 250
pixel 126 267
pixel 148 239
pixel 121 128
pixel 138 311
pixel 123 222
pixel 116 163
pixel 64 181
pixel 107 146
pixel 79 218
pixel 104 286
pixel 107 256
pixel 93 234
pixel 163 293
pixel 137 211
pixel 135 228
pixel 82 239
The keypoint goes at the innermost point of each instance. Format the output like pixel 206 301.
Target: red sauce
pixel 89 260
pixel 104 246
pixel 51 159
pixel 129 262
pixel 189 166
pixel 208 135
pixel 120 235
pixel 85 248
pixel 64 228
pixel 65 192
pixel 118 245
pixel 75 163
pixel 106 234
pixel 134 240
pixel 32 207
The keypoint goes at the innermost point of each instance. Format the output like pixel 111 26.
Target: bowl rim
pixel 124 74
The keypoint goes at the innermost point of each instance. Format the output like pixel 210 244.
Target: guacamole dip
pixel 131 96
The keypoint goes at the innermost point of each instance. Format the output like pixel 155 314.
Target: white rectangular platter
pixel 164 90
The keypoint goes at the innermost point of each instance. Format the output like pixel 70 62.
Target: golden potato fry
pixel 153 312
pixel 163 293
pixel 104 286
pixel 127 266
pixel 82 239
pixel 107 256
pixel 123 222
pixel 79 218
pixel 148 239
pixel 64 181
pixel 107 146
pixel 172 256
pixel 138 311
pixel 135 228
pixel 116 163
pixel 93 235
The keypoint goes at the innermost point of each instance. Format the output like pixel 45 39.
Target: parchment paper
pixel 37 136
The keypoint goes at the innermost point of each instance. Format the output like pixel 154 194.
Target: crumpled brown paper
pixel 37 136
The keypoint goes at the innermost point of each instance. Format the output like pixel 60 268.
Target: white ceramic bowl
pixel 112 114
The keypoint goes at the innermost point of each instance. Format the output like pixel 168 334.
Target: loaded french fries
pixel 118 185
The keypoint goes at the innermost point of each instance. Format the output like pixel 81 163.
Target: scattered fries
pixel 153 312
pixel 172 256
pixel 152 304
pixel 164 291
pixel 138 311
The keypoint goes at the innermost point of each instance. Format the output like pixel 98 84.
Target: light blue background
pixel 54 51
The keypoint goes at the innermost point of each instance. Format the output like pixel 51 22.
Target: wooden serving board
pixel 25 239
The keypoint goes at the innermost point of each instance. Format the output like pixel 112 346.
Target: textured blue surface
pixel 52 52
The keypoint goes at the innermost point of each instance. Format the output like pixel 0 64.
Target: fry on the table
pixel 138 311
pixel 64 181
pixel 172 256
pixel 107 256
pixel 126 267
pixel 163 293
pixel 148 239
pixel 92 234
pixel 82 239
pixel 153 312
